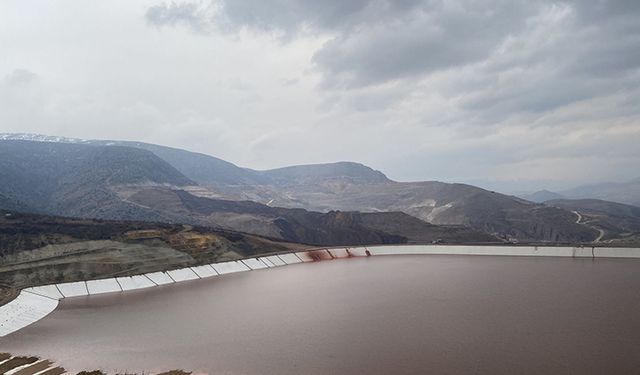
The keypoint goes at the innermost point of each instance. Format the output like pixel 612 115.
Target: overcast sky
pixel 511 95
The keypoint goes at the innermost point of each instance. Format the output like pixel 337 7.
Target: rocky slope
pixel 38 249
pixel 434 202
pixel 299 225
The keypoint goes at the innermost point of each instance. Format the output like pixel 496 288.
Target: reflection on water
pixel 377 315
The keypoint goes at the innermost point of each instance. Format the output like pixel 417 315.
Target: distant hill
pixel 621 192
pixel 542 196
pixel 599 206
pixel 350 172
pixel 75 179
pixel 201 168
pixel 619 222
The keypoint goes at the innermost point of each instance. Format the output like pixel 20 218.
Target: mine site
pixel 242 187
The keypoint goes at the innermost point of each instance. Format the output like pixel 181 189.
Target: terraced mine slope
pixel 38 250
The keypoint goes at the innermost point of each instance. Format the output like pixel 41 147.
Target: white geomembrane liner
pixel 290 258
pixel 304 256
pixel 19 369
pixel 339 253
pixel 276 260
pixel 25 309
pixel 204 271
pixel 254 263
pixel 357 251
pixel 103 286
pixel 182 274
pixel 583 252
pixel 230 267
pixel 46 290
pixel 546 251
pixel 266 261
pixel 160 278
pixel 612 252
pixel 75 289
pixel 135 282
pixel 314 255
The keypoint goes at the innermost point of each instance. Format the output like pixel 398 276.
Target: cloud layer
pixel 508 94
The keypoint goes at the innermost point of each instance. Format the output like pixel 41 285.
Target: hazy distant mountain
pixel 75 179
pixel 616 220
pixel 622 192
pixel 542 196
pixel 203 169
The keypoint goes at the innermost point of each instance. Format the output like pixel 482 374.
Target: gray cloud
pixel 564 58
pixel 377 41
pixel 430 38
pixel 20 77
pixel 193 15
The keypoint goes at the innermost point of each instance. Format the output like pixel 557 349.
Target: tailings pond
pixel 376 315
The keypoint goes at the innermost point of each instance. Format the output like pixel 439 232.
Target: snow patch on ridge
pixel 40 138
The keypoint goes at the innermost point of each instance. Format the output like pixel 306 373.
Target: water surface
pixel 378 315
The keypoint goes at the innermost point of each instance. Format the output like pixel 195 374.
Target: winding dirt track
pixel 579 221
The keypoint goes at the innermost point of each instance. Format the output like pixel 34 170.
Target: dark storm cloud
pixel 594 42
pixel 376 41
pixel 430 38
pixel 593 51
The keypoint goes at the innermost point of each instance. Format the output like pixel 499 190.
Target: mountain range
pixel 322 204
pixel 115 182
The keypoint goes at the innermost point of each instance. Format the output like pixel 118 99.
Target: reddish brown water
pixel 377 315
